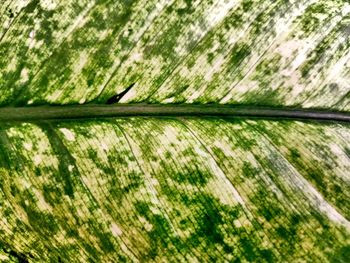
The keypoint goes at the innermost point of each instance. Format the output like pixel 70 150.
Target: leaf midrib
pixel 32 113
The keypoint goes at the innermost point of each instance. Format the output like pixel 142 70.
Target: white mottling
pixel 251 122
pixel 48 4
pixel 104 34
pixel 13 64
pixel 195 95
pixel 219 12
pixel 170 135
pixel 28 146
pixel 237 223
pixel 68 134
pixel 343 162
pixel 287 49
pixel 116 231
pixel 83 58
pixel 127 251
pixel 307 45
pixel 326 208
pixel 336 149
pixel 41 202
pixel 242 88
pixel 32 34
pixel 31 43
pixel 147 225
pixel 247 85
pixel 4 257
pixel 293 81
pixel 70 168
pixel 223 146
pixel 55 95
pixel 218 62
pixel 6 24
pixel 154 182
pixel 201 152
pixel 339 66
pixel 25 183
pixel 24 75
pixel 346 9
pixel 22 3
pixel 37 160
pixel 169 100
pixel 61 236
pixel 104 146
pixel 136 57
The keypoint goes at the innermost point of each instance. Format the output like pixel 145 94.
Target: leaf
pixel 271 53
pixel 221 189
pixel 180 185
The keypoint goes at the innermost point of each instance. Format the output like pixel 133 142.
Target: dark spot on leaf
pixel 117 98
pixel 239 52
pixel 19 256
pixel 11 15
pixel 194 177
pixel 248 249
pixel 294 154
pixel 32 6
pixel 342 255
